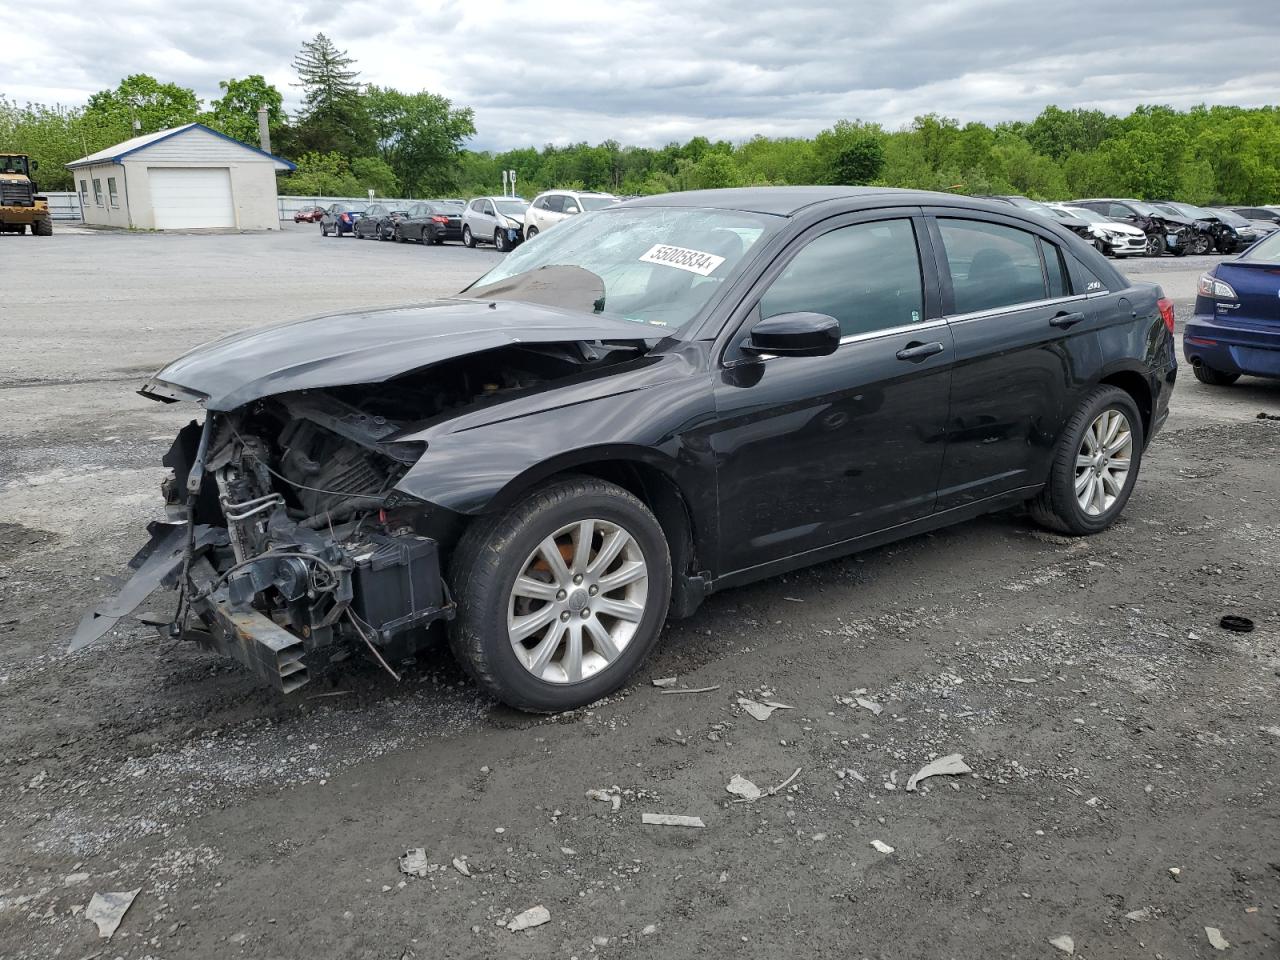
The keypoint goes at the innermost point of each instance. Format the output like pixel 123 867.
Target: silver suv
pixel 551 207
pixel 496 220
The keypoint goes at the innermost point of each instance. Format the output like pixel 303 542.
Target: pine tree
pixel 333 115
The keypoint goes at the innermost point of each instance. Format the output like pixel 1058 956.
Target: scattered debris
pixel 331 693
pixel 798 600
pixel 785 783
pixel 108 909
pixel 761 711
pixel 694 690
pixel 461 867
pixel 599 941
pixel 952 765
pixel 1092 802
pixel 665 682
pixel 869 705
pixel 1139 916
pixel 1236 624
pixel 414 862
pixel 882 846
pixel 739 786
pixel 1216 939
pixel 1274 731
pixel 71 879
pixel 670 820
pixel 533 917
pixel 1267 416
pixel 1022 680
pixel 1064 943
pixel 569 851
pixel 649 930
pixel 612 796
pixel 1176 873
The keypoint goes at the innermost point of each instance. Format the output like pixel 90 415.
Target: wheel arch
pixel 1137 385
pixel 649 476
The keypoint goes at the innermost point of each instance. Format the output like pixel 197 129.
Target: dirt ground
pixel 1122 745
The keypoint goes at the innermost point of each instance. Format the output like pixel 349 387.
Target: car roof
pixel 788 201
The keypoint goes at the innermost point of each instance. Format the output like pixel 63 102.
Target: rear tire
pixel 467 239
pixel 1214 378
pixel 42 228
pixel 496 552
pixel 1058 506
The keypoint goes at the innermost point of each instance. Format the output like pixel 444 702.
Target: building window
pixel 111 191
pixel 84 192
pixel 97 191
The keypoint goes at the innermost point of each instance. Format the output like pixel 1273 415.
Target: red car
pixel 308 215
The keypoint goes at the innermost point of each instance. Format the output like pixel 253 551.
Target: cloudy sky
pixel 651 71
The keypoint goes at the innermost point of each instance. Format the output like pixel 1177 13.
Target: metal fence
pixel 65 206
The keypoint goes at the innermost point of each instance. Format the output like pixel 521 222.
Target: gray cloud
pixel 650 71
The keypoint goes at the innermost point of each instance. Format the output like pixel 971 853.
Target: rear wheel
pixel 1095 466
pixel 562 597
pixel 1215 378
pixel 1200 244
pixel 467 238
pixel 42 228
pixel 324 231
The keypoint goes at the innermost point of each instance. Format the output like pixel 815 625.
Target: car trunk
pixel 1257 286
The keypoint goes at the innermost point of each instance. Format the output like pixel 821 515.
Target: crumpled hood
pixel 368 347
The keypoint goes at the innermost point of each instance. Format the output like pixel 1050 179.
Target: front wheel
pixel 561 598
pixel 1200 245
pixel 1214 378
pixel 500 240
pixel 1155 245
pixel 530 233
pixel 1095 467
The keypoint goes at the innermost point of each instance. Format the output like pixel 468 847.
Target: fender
pixel 483 468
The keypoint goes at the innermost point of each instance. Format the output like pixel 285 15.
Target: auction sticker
pixel 682 258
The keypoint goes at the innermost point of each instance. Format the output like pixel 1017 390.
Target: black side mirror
pixel 35 165
pixel 795 335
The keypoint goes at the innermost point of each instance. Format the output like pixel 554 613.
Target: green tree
pixel 142 104
pixel 333 115
pixel 849 152
pixel 236 112
pixel 419 136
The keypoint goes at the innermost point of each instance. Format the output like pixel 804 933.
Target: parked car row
pixel 1126 228
pixel 504 222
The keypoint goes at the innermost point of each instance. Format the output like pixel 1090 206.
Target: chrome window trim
pixel 1019 307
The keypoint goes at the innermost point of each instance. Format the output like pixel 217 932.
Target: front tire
pixel 562 597
pixel 1214 378
pixel 500 240
pixel 1156 245
pixel 1095 466
pixel 530 233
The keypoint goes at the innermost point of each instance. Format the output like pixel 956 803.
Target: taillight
pixel 1166 311
pixel 1211 286
pixel 439 219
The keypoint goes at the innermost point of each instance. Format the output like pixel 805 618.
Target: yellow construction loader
pixel 20 204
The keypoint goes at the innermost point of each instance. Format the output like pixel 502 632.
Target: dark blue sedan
pixel 1236 327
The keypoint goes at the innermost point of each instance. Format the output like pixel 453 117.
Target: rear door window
pixel 866 275
pixel 991 265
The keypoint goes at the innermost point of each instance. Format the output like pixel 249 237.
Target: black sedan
pixel 661 400
pixel 433 221
pixel 341 218
pixel 379 222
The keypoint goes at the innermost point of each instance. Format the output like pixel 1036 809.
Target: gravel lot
pixel 1114 731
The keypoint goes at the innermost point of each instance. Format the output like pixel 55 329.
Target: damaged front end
pixel 284 541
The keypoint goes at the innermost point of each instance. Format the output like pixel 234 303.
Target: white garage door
pixel 183 197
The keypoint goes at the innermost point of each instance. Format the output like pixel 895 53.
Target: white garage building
pixel 184 178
